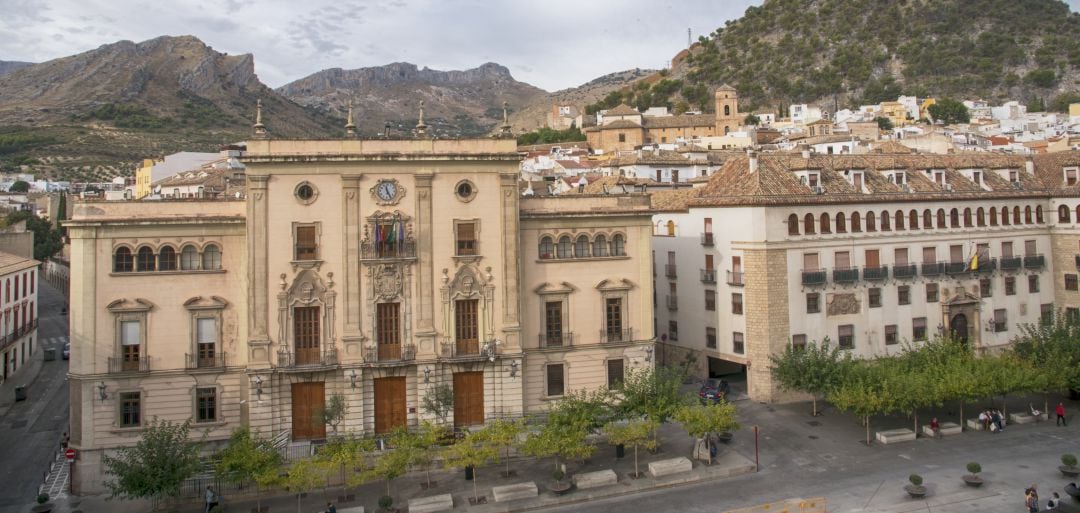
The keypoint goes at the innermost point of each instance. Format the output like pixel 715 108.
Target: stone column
pixel 258 284
pixel 425 271
pixel 353 334
pixel 767 317
pixel 511 258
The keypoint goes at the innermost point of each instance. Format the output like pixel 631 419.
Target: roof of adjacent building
pixel 622 110
pixel 655 158
pixel 672 200
pixel 14 263
pixel 891 147
pixel 684 120
pixel 616 184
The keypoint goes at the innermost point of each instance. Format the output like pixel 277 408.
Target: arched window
pixel 1027 214
pixel 941 218
pixel 1063 214
pixel 967 218
pixel 599 246
pixel 211 257
pixel 122 261
pixel 144 259
pixel 980 217
pixel 841 223
pixel 793 224
pixel 167 259
pixel 885 221
pixel 1078 213
pixel 189 258
pixel 1039 214
pixel 618 245
pixel 871 222
pixel 671 228
pixel 581 247
pixel 913 220
pixel 727 110
pixel 808 224
pixel 564 249
pixel 993 216
pixel 954 218
pixel 898 220
pixel 547 248
pixel 1005 216
pixel 927 219
pixel 1016 215
pixel 824 225
pixel 856 223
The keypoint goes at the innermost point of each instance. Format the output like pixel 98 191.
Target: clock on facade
pixel 387 192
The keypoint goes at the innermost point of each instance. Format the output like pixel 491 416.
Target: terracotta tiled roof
pixel 622 110
pixel 619 123
pixel 571 164
pixel 13 263
pixel 891 147
pixel 725 87
pixel 616 185
pixel 685 120
pixel 826 139
pixel 672 200
pixel 660 158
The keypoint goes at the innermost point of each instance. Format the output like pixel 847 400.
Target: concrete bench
pixel 1022 418
pixel 893 436
pixel 974 424
pixel 595 479
pixel 431 504
pixel 515 492
pixel 947 429
pixel 669 467
pixel 354 509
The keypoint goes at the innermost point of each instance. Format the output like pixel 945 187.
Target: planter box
pixel 669 467
pixel 1022 418
pixel 595 479
pixel 354 509
pixel 974 424
pixel 893 436
pixel 515 492
pixel 947 429
pixel 431 504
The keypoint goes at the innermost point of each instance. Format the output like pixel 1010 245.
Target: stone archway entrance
pixel 958 328
pixel 960 314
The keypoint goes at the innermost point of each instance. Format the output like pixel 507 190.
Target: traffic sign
pixel 70 454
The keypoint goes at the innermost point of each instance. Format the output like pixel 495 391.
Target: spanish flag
pixel 973 265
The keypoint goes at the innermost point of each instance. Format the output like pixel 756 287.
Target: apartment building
pixel 870 251
pixel 18 302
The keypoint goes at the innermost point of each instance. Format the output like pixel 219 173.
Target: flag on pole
pixel 973 264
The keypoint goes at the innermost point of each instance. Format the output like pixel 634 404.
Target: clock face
pixel 386 191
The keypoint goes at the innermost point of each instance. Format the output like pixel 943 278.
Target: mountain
pixel 844 53
pixel 9 66
pixel 111 106
pixel 456 103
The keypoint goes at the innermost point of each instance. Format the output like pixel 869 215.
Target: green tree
pixel 503 434
pixel 304 476
pixel 561 441
pixel 700 420
pixel 348 455
pixel 438 401
pixel 653 394
pixel 156 466
pixel 1045 78
pixel 246 459
pixel 884 123
pixel 751 119
pixel 949 111
pixel 862 393
pixel 333 412
pixel 47 240
pixel 1061 102
pixel 815 369
pixel 19 186
pixel 426 441
pixel 393 463
pixel 636 434
pixel 545 135
pixel 470 451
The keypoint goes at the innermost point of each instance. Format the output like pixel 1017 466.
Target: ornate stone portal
pixel 468 283
pixel 842 304
pixel 307 289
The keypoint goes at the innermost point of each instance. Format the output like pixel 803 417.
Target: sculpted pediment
pixel 127 305
pixel 616 284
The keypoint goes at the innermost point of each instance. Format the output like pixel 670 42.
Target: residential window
pixel 122 261
pixel 387 327
pixel 555 381
pixel 1029 248
pixel 736 304
pixel 547 248
pixel 1033 283
pixel 1010 286
pixel 167 259
pixel 984 288
pixel 613 319
pixel 622 138
pixel 130 409
pixel 673 330
pixel 564 248
pixel 211 257
pixel 206 334
pixel 306 330
pixel 875 297
pixel 553 323
pixel 846 336
pixel 918 329
pixel 1006 249
pixel 144 259
pixel 205 404
pixel 798 341
pixel 467 326
pixel 710 300
pixel 1000 323
pixel 903 295
pixel 737 345
pixel 618 245
pixel 813 302
pixel 306 246
pixel 931 292
pixel 891 338
pixel 615 372
pixel 600 246
pixel 710 338
pixel 189 258
pixel 130 344
pixel 1046 313
pixel 466 239
pixel 1070 282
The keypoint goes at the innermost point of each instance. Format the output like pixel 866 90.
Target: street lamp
pixel 101 391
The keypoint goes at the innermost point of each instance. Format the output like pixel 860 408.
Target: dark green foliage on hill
pixel 546 135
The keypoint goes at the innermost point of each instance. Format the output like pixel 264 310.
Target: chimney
pixel 1029 164
pixel 753 160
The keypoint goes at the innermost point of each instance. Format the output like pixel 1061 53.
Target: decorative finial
pixel 505 130
pixel 260 128
pixel 350 128
pixel 421 128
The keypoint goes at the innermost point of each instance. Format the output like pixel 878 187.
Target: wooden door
pixel 306 334
pixel 388 330
pixel 308 401
pixel 389 404
pixel 468 398
pixel 466 325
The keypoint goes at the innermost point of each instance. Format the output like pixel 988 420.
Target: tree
pixel 701 420
pixel 393 463
pixel 333 412
pixel 949 111
pixel 561 441
pixel 862 393
pixel 347 454
pixel 438 401
pixel 636 434
pixel 1045 78
pixel 19 186
pixel 470 451
pixel 156 466
pixel 751 119
pixel 305 475
pixel 247 458
pixel 653 394
pixel 815 369
pixel 884 123
pixel 426 442
pixel 503 434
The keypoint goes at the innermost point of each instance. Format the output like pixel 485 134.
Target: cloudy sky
pixel 552 44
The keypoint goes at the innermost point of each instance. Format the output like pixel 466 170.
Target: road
pixel 30 430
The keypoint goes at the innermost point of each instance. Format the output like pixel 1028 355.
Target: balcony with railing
pixel 213 362
pixel 306 358
pixel 904 272
pixel 735 278
pixel 932 268
pixel 845 274
pixel 670 270
pixel 463 349
pixel 1011 263
pixel 708 276
pixel 876 273
pixel 556 339
pixel 129 364
pixel 986 265
pixel 672 302
pixel 616 335
pixel 388 249
pixel 957 268
pixel 814 277
pixel 1034 261
pixel 390 353
pixel 707 239
pixel 18 333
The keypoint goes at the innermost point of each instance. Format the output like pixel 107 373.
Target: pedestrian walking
pixel 64 441
pixel 1060 411
pixel 211 499
pixel 1031 499
pixel 330 507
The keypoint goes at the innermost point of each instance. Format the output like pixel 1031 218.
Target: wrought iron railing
pixel 129 364
pixel 815 277
pixel 735 278
pixel 671 271
pixel 388 249
pixel 933 268
pixel 390 353
pixel 707 239
pixel 556 339
pixel 672 302
pixel 880 273
pixel 616 335
pixel 845 274
pixel 19 333
pixel 708 276
pixel 904 272
pixel 1034 261
pixel 307 358
pixel 215 361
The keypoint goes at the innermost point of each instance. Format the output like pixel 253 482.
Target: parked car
pixel 713 390
pixel 66 353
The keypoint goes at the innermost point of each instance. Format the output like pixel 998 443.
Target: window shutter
pixel 207 328
pixel 130 333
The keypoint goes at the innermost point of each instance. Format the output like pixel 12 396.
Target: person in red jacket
pixel 1060 411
